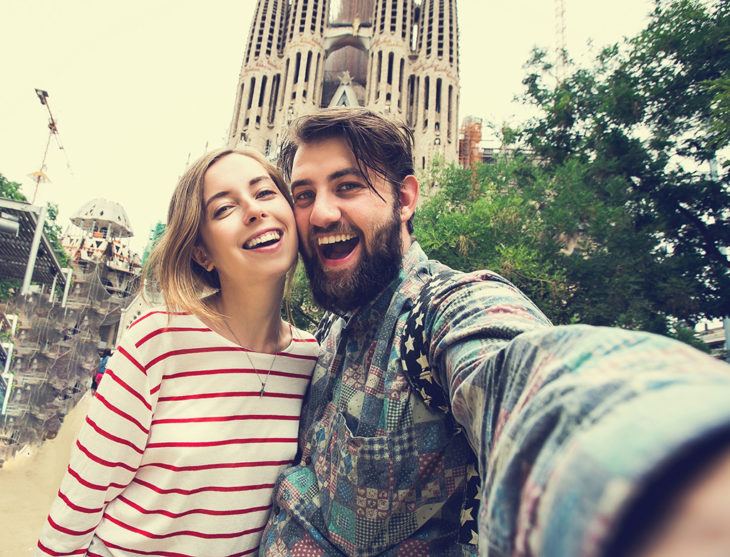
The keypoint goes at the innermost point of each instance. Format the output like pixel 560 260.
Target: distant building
pixel 470 138
pixel 714 335
pixel 394 56
pixel 57 337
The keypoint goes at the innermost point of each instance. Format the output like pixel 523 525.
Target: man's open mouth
pixel 266 239
pixel 337 246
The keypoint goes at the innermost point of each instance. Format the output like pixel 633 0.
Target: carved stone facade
pixel 394 56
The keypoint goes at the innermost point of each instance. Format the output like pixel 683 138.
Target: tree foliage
pixel 611 214
pixel 11 190
pixel 640 130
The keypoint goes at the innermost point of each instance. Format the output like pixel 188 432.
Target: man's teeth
pixel 266 237
pixel 323 240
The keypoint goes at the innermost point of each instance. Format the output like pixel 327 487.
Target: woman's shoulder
pixel 157 316
pixel 160 318
pixel 300 335
pixel 303 341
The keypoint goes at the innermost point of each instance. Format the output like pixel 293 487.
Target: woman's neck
pixel 253 317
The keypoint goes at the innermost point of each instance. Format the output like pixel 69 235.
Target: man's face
pixel 349 235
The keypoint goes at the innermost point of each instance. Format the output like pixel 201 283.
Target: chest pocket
pixel 375 492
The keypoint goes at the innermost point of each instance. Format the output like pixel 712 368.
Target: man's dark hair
pixel 380 144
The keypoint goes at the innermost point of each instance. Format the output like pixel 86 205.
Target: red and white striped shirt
pixel 179 452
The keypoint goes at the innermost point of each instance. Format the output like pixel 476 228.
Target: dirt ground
pixel 29 482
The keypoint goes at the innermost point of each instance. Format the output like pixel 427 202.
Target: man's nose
pixel 325 211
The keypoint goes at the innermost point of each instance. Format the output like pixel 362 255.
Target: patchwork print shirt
pixel 567 423
pixel 380 472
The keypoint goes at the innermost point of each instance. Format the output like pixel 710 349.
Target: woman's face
pixel 248 229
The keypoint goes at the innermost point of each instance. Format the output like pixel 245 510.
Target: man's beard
pixel 379 264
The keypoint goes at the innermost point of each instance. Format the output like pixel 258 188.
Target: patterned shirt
pixel 566 422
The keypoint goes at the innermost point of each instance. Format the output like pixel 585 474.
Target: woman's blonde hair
pixel 170 266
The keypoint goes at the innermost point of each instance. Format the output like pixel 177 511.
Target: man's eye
pixel 303 196
pixel 349 186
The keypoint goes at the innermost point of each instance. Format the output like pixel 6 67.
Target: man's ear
pixel 200 256
pixel 408 195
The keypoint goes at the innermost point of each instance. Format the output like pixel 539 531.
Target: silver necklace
pixel 245 351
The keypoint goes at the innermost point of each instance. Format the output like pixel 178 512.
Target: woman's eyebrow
pixel 252 182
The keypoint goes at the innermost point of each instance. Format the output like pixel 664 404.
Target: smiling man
pixel 446 415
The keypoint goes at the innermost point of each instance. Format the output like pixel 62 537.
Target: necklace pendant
pixel 261 392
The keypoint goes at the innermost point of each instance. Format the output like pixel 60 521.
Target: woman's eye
pixel 221 210
pixel 266 193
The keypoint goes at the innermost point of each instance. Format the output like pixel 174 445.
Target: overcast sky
pixel 137 88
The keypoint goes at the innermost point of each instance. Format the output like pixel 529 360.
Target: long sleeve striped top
pixel 179 452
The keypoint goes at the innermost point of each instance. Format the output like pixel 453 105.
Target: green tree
pixel 490 218
pixel 630 142
pixel 10 190
pixel 299 306
pixel 155 235
pixel 53 231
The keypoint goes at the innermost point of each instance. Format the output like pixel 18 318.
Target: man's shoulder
pixel 440 279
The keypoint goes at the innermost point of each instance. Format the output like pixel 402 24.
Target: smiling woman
pixel 199 408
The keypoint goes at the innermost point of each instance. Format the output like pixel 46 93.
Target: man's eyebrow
pixel 353 171
pixel 252 182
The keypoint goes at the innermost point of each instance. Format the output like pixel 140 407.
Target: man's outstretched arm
pixel 569 422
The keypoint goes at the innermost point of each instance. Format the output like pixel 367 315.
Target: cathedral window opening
pixel 450 113
pixel 272 24
pixel 390 69
pixel 250 93
pixel 306 68
pixel 400 82
pixel 426 92
pixel 440 30
pixel 313 24
pixel 405 24
pixel 454 30
pixel 262 92
pixel 286 77
pixel 438 96
pixel 412 103
pixel 303 16
pixel 393 16
pixel 378 73
pixel 238 110
pixel 297 66
pixel 274 97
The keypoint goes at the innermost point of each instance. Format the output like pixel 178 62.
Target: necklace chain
pixel 245 351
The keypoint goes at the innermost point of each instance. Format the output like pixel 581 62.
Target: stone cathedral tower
pixel 394 56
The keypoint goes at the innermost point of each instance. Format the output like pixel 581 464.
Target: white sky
pixel 139 87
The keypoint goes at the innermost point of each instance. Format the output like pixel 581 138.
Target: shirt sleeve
pixel 567 422
pixel 105 457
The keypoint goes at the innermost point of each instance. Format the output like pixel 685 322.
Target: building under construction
pixel 54 334
pixel 395 56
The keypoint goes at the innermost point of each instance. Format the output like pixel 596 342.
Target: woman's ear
pixel 201 258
